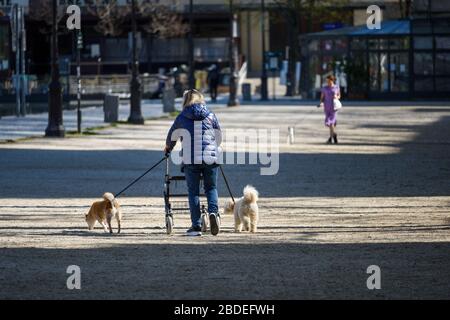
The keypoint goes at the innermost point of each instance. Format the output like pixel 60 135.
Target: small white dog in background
pixel 245 210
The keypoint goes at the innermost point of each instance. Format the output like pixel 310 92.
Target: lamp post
pixel 79 47
pixel 264 93
pixel 55 127
pixel 191 45
pixel 233 100
pixel 135 84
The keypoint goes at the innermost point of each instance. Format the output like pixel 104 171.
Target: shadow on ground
pixel 421 168
pixel 231 271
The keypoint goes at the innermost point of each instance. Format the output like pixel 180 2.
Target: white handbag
pixel 337 105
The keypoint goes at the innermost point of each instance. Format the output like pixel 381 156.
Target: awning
pixel 389 27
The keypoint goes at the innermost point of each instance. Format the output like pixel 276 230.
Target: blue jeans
pixel 192 173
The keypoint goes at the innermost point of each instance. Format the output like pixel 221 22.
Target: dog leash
pixel 140 177
pixel 226 183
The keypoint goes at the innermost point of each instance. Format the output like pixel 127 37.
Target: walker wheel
pixel 169 224
pixel 204 223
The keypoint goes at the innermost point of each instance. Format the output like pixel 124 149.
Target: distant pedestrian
pixel 328 93
pixel 213 82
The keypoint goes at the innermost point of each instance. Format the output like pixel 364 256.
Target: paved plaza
pixel 381 197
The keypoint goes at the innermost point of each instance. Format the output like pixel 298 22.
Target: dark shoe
pixel 214 222
pixel 194 231
pixel 329 141
pixel 335 139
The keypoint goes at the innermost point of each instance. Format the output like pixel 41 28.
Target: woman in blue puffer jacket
pixel 200 134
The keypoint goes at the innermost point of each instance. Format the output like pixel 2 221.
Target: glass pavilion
pixel 405 59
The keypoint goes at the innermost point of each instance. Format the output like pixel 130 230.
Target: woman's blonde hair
pixel 192 96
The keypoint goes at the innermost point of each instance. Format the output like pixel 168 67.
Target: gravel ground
pixel 380 197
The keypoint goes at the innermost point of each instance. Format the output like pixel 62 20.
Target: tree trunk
pixel 293 33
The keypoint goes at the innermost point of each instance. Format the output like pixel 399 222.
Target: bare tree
pixel 159 19
pixel 111 16
pixel 42 11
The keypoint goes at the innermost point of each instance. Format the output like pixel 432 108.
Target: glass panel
pixel 374 44
pixel 169 49
pixel 374 67
pixel 443 64
pixel 340 44
pixel 4 49
pixel 314 72
pixel 442 42
pixel 326 45
pixel 4 41
pixel 313 45
pixel 399 43
pixel 423 64
pixel 443 84
pixel 356 71
pixel 423 84
pixel 383 43
pixel 358 44
pixel 327 67
pixel 384 69
pixel 399 72
pixel 442 26
pixel 115 49
pixel 211 49
pixel 423 42
pixel 421 26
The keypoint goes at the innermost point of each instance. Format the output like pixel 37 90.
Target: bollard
pixel 291 135
pixel 111 108
pixel 246 92
pixel 168 100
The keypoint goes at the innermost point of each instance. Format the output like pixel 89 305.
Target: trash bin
pixel 168 99
pixel 111 108
pixel 246 91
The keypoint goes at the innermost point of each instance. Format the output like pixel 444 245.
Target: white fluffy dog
pixel 245 210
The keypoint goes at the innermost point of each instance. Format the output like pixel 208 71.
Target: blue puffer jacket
pixel 202 126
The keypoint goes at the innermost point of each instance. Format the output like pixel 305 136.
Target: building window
pixel 399 43
pixel 357 72
pixel 313 45
pixel 442 26
pixel 443 64
pixel 384 72
pixel 4 48
pixel 358 44
pixel 423 42
pixel 423 84
pixel 399 72
pixel 421 27
pixel 442 42
pixel 374 44
pixel 443 84
pixel 423 64
pixel 374 68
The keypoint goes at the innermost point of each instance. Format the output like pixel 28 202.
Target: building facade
pixel 107 55
pixel 405 59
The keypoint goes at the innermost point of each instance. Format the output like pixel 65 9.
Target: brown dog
pixel 103 211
